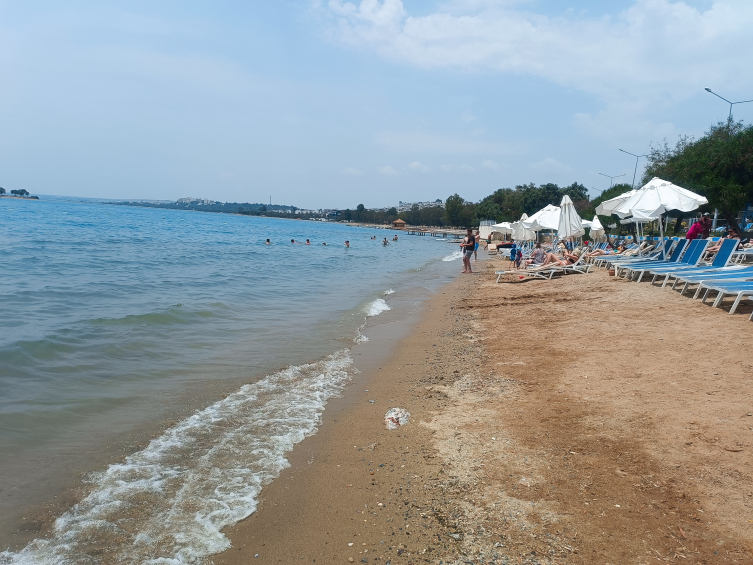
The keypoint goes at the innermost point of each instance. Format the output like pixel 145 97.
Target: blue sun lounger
pixel 676 259
pixel 718 265
pixel 690 259
pixel 740 289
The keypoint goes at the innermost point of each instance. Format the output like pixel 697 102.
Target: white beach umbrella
pixel 657 197
pixel 569 224
pixel 502 227
pixel 548 218
pixel 607 207
pixel 597 230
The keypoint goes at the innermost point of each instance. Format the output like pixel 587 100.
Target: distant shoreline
pixel 19 197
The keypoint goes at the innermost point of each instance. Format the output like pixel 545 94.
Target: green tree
pixel 458 212
pixel 719 165
pixel 2 190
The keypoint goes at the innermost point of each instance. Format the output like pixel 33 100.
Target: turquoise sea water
pixel 113 317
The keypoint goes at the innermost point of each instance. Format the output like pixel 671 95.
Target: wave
pixel 168 503
pixel 377 307
pixel 388 292
pixel 453 256
pixel 176 314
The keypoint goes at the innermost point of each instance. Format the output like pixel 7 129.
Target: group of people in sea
pixel 385 242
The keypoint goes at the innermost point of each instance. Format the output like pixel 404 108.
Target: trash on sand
pixel 396 417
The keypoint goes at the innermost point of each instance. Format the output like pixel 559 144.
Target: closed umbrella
pixel 597 230
pixel 520 233
pixel 570 225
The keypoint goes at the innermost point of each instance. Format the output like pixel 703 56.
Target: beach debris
pixel 396 417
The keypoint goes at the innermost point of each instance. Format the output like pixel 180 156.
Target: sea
pixel 158 366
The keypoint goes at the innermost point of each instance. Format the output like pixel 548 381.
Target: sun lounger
pixel 541 272
pixel 733 274
pixel 739 289
pixel 721 260
pixel 675 258
pixel 691 258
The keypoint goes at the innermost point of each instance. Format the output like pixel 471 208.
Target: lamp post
pixel 636 163
pixel 610 177
pixel 727 101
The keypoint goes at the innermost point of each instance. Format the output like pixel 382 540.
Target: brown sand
pixel 585 419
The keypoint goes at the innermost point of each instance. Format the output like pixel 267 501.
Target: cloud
pixel 353 172
pixel 658 51
pixel 421 142
pixel 457 169
pixel 418 167
pixel 551 166
pixel 387 170
pixel 488 164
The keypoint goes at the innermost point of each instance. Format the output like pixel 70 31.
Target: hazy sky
pixel 331 103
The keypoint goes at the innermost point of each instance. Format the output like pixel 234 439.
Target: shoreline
pixel 524 445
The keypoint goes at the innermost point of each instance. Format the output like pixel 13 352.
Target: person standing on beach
pixel 475 249
pixel 468 246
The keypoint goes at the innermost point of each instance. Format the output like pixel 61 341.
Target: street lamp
pixel 610 177
pixel 636 163
pixel 727 101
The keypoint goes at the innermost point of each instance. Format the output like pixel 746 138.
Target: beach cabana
pixel 399 224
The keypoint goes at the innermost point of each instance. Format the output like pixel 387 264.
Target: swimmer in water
pixel 269 242
pixel 347 243
pixel 308 242
pixel 385 242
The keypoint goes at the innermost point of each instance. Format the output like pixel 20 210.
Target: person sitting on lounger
pixel 572 257
pixel 540 258
pixel 537 257
pixel 714 247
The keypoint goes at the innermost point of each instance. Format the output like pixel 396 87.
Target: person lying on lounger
pixel 598 252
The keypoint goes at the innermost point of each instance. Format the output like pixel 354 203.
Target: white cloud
pixel 488 164
pixel 656 51
pixel 387 170
pixel 418 167
pixel 352 171
pixel 467 117
pixel 551 166
pixel 421 142
pixel 457 169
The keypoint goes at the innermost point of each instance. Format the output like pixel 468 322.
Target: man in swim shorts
pixel 468 246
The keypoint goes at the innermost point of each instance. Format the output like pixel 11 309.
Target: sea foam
pixel 168 503
pixel 453 256
pixel 377 307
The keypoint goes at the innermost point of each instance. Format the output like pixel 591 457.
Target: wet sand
pixel 580 420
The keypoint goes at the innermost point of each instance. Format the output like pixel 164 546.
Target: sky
pixel 329 103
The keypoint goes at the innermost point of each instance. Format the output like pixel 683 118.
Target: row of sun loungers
pixel 678 261
pixel 683 267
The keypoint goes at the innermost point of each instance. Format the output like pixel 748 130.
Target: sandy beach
pixel 580 420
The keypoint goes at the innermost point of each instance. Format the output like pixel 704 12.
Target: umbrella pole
pixel 661 239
